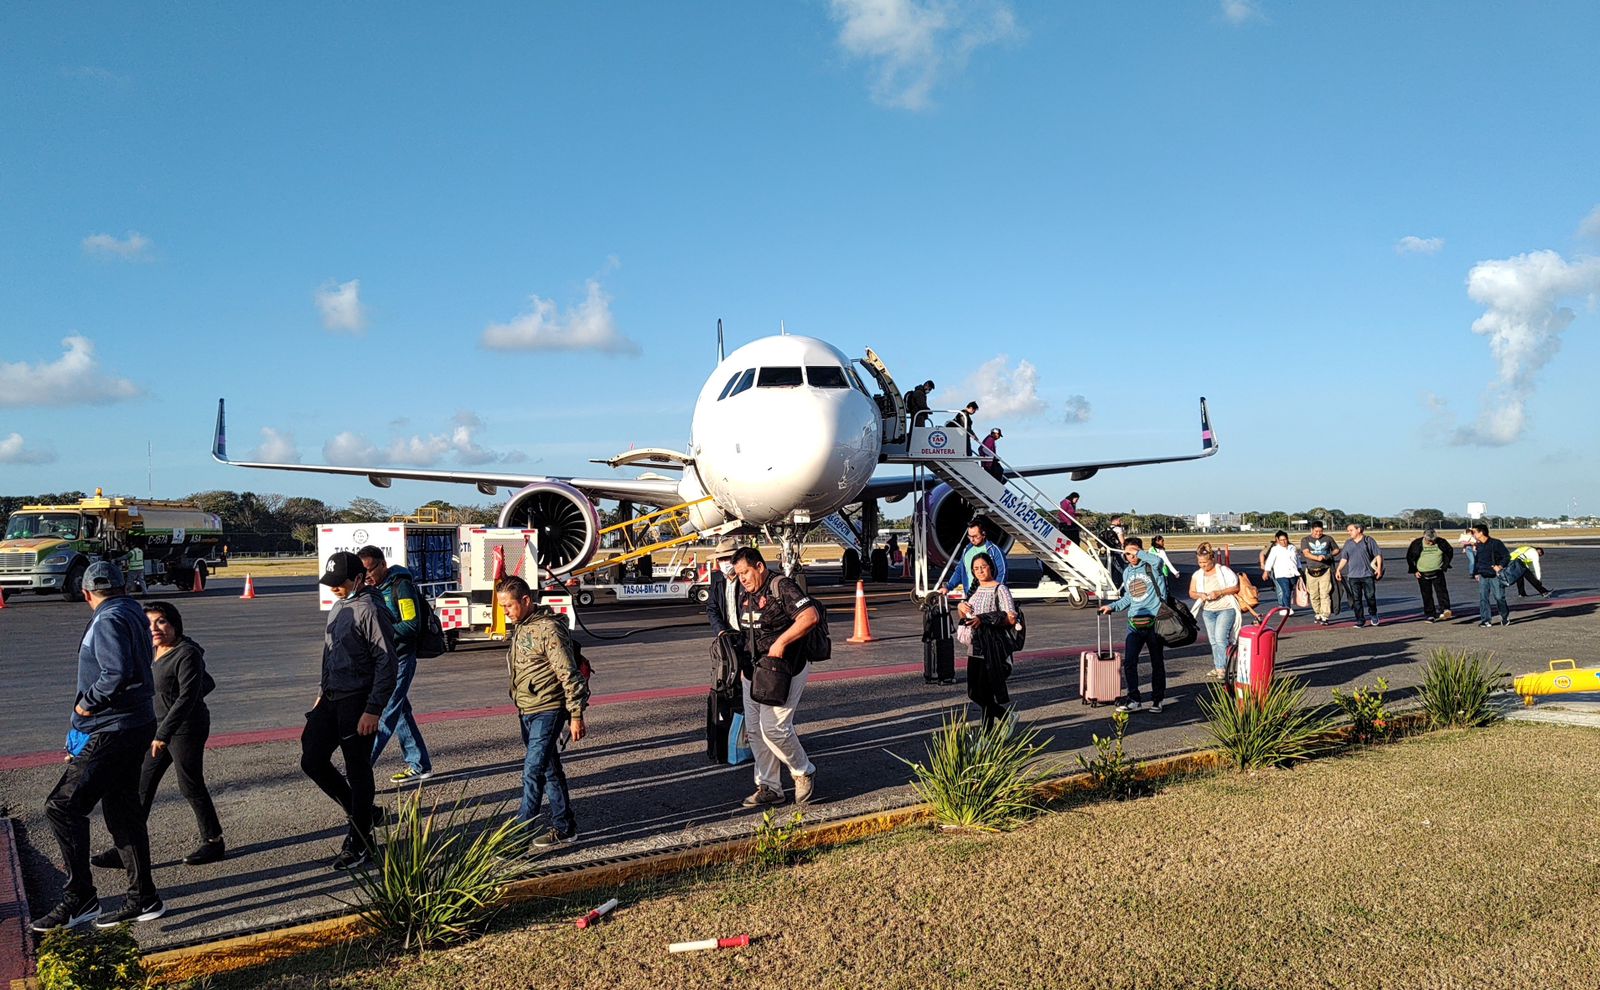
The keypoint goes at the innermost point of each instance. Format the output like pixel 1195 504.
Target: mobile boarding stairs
pixel 1073 570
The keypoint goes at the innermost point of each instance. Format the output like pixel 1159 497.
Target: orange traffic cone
pixel 2 598
pixel 249 587
pixel 199 585
pixel 863 631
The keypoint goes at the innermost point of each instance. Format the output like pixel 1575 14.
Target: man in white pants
pixel 776 615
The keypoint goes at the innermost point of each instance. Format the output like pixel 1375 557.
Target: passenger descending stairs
pixel 1018 506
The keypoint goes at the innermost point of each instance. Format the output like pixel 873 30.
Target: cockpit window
pixel 778 378
pixel 729 387
pixel 857 379
pixel 745 381
pixel 825 376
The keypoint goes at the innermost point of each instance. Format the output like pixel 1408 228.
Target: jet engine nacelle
pixel 946 515
pixel 568 523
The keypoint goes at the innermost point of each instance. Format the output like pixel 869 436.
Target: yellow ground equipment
pixel 1563 677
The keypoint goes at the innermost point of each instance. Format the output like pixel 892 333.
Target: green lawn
pixel 1454 859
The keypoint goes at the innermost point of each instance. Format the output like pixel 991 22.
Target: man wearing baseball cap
pixel 358 677
pixel 991 457
pixel 113 722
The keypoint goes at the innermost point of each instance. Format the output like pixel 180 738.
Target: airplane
pixel 785 431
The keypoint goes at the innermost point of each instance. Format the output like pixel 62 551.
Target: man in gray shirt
pixel 1360 567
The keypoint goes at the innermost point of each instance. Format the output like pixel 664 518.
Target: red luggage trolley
pixel 1256 653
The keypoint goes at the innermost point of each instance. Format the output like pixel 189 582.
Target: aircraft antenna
pixel 782 330
pixel 720 354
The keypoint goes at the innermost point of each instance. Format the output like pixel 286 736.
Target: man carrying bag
pixel 778 619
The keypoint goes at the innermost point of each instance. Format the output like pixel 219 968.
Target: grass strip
pixel 1459 858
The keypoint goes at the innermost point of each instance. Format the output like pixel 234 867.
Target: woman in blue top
pixel 1144 589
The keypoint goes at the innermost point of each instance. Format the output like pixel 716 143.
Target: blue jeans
pixel 1492 596
pixel 541 766
pixel 1363 594
pixel 1219 632
pixel 1285 588
pixel 397 720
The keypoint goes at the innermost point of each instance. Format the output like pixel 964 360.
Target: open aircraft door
pixel 891 404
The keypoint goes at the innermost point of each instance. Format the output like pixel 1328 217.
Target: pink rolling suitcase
pixel 1100 669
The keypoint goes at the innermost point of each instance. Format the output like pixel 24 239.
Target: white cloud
pixel 1078 409
pixel 134 247
pixel 276 447
pixel 1590 227
pixel 1410 244
pixel 587 327
pixel 1002 393
pixel 1240 11
pixel 350 450
pixel 1523 319
pixel 340 306
pixel 73 379
pixel 912 44
pixel 418 450
pixel 14 451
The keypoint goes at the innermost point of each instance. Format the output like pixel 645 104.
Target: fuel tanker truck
pixel 48 547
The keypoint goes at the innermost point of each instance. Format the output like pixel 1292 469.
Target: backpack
pixel 430 634
pixel 1248 596
pixel 728 658
pixel 1018 632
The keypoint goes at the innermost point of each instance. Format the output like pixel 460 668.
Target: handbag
pixel 1302 598
pixel 770 683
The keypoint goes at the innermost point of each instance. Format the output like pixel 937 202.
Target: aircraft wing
pixel 888 487
pixel 650 491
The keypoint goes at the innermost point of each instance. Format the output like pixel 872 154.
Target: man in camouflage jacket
pixel 549 693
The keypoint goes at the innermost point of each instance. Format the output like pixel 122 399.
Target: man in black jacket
pixel 1428 558
pixel 722 607
pixel 358 676
pixel 917 402
pixel 1492 558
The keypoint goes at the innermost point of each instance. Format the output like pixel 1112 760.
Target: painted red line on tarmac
pixel 28 761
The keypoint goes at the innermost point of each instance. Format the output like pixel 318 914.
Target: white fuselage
pixel 784 426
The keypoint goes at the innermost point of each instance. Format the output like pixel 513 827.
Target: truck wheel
pixel 72 589
pixel 702 594
pixel 585 598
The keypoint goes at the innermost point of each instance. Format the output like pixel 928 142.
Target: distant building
pixel 1216 522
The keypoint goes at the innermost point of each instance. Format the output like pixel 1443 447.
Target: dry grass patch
pixel 1456 859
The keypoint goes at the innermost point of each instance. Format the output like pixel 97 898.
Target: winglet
pixel 219 442
pixel 1208 438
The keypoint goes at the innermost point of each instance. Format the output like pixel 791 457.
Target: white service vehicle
pixel 483 554
pixel 428 551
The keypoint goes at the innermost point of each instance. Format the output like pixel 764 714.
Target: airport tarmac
pixel 641 781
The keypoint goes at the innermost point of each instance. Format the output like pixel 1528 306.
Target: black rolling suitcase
pixel 938 643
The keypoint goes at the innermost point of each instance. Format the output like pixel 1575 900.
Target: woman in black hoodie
pixel 184 723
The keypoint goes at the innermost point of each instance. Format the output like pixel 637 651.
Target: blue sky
pixel 326 213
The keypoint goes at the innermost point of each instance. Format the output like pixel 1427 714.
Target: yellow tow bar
pixel 1563 677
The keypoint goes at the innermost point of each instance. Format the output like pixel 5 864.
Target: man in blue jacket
pixel 978 541
pixel 405 607
pixel 113 722
pixel 1144 589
